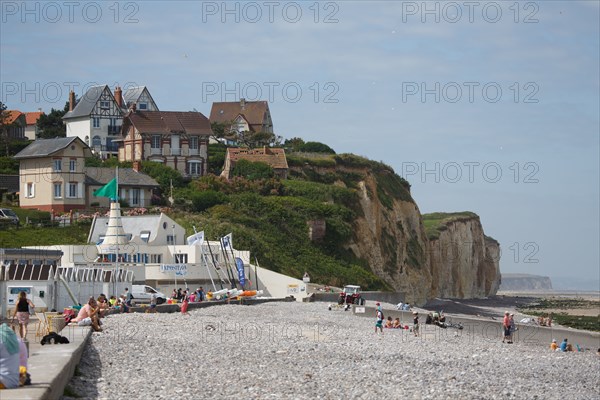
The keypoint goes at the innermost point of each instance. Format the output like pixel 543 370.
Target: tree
pixel 293 144
pixel 51 125
pixel 315 147
pixel 4 126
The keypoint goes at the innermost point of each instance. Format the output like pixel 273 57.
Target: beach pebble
pixel 305 351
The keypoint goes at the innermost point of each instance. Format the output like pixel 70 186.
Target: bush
pixel 252 170
pixel 315 147
pixel 207 199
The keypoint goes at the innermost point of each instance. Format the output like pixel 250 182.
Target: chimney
pixel 71 100
pixel 133 107
pixel 137 166
pixel 119 96
pixel 243 103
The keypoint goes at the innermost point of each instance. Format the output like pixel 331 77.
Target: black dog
pixel 54 338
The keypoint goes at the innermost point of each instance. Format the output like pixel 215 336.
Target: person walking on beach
pixel 506 327
pixel 379 318
pixel 513 326
pixel 22 313
pixel 416 323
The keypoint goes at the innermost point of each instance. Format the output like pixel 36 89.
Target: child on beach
pixel 416 323
pixel 389 323
pixel 379 320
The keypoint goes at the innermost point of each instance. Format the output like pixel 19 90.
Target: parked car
pixel 8 216
pixel 351 295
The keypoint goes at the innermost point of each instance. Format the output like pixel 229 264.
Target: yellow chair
pixel 42 328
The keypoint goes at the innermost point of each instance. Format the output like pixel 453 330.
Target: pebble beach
pixel 304 351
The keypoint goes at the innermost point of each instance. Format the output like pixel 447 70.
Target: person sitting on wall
pixel 88 315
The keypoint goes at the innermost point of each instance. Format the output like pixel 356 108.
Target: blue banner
pixel 240 268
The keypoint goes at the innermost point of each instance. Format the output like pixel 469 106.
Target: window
pixel 96 141
pixel 181 258
pixel 170 239
pixel 58 190
pixel 57 165
pixel 96 122
pixel 156 258
pixel 104 105
pixel 155 142
pixel 145 236
pixel 72 190
pixel 193 142
pixel 194 168
pixel 72 165
pixel 135 197
pixel 30 189
pixel 143 106
pixel 175 149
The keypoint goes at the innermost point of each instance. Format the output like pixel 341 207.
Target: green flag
pixel 109 190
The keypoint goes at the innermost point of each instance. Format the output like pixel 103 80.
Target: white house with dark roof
pixel 53 176
pixel 97 117
pixel 140 96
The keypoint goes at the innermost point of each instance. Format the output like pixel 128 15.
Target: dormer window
pixel 143 106
pixel 105 105
pixel 145 236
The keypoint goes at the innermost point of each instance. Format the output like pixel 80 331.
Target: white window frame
pixel 59 186
pixel 72 165
pixel 30 193
pixel 95 122
pixel 72 190
pixel 57 165
pixel 104 104
pixel 193 142
pixel 143 106
pixel 197 166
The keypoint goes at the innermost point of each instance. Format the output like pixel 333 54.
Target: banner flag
pixel 109 190
pixel 227 243
pixel 196 239
pixel 240 268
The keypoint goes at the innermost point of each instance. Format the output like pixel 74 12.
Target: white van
pixel 142 294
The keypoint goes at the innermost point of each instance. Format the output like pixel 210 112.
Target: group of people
pixel 192 297
pixel 545 321
pixel 393 323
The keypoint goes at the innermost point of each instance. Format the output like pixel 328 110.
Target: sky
pixel 484 106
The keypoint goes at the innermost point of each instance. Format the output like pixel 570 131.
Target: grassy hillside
pixel 269 216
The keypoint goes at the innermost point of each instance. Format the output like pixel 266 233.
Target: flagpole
pixel 117 200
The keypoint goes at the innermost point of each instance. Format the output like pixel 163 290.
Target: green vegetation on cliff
pixel 435 223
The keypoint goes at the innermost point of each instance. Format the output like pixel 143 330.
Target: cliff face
pixel 443 255
pixel 463 261
pixel 393 242
pixel 525 282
